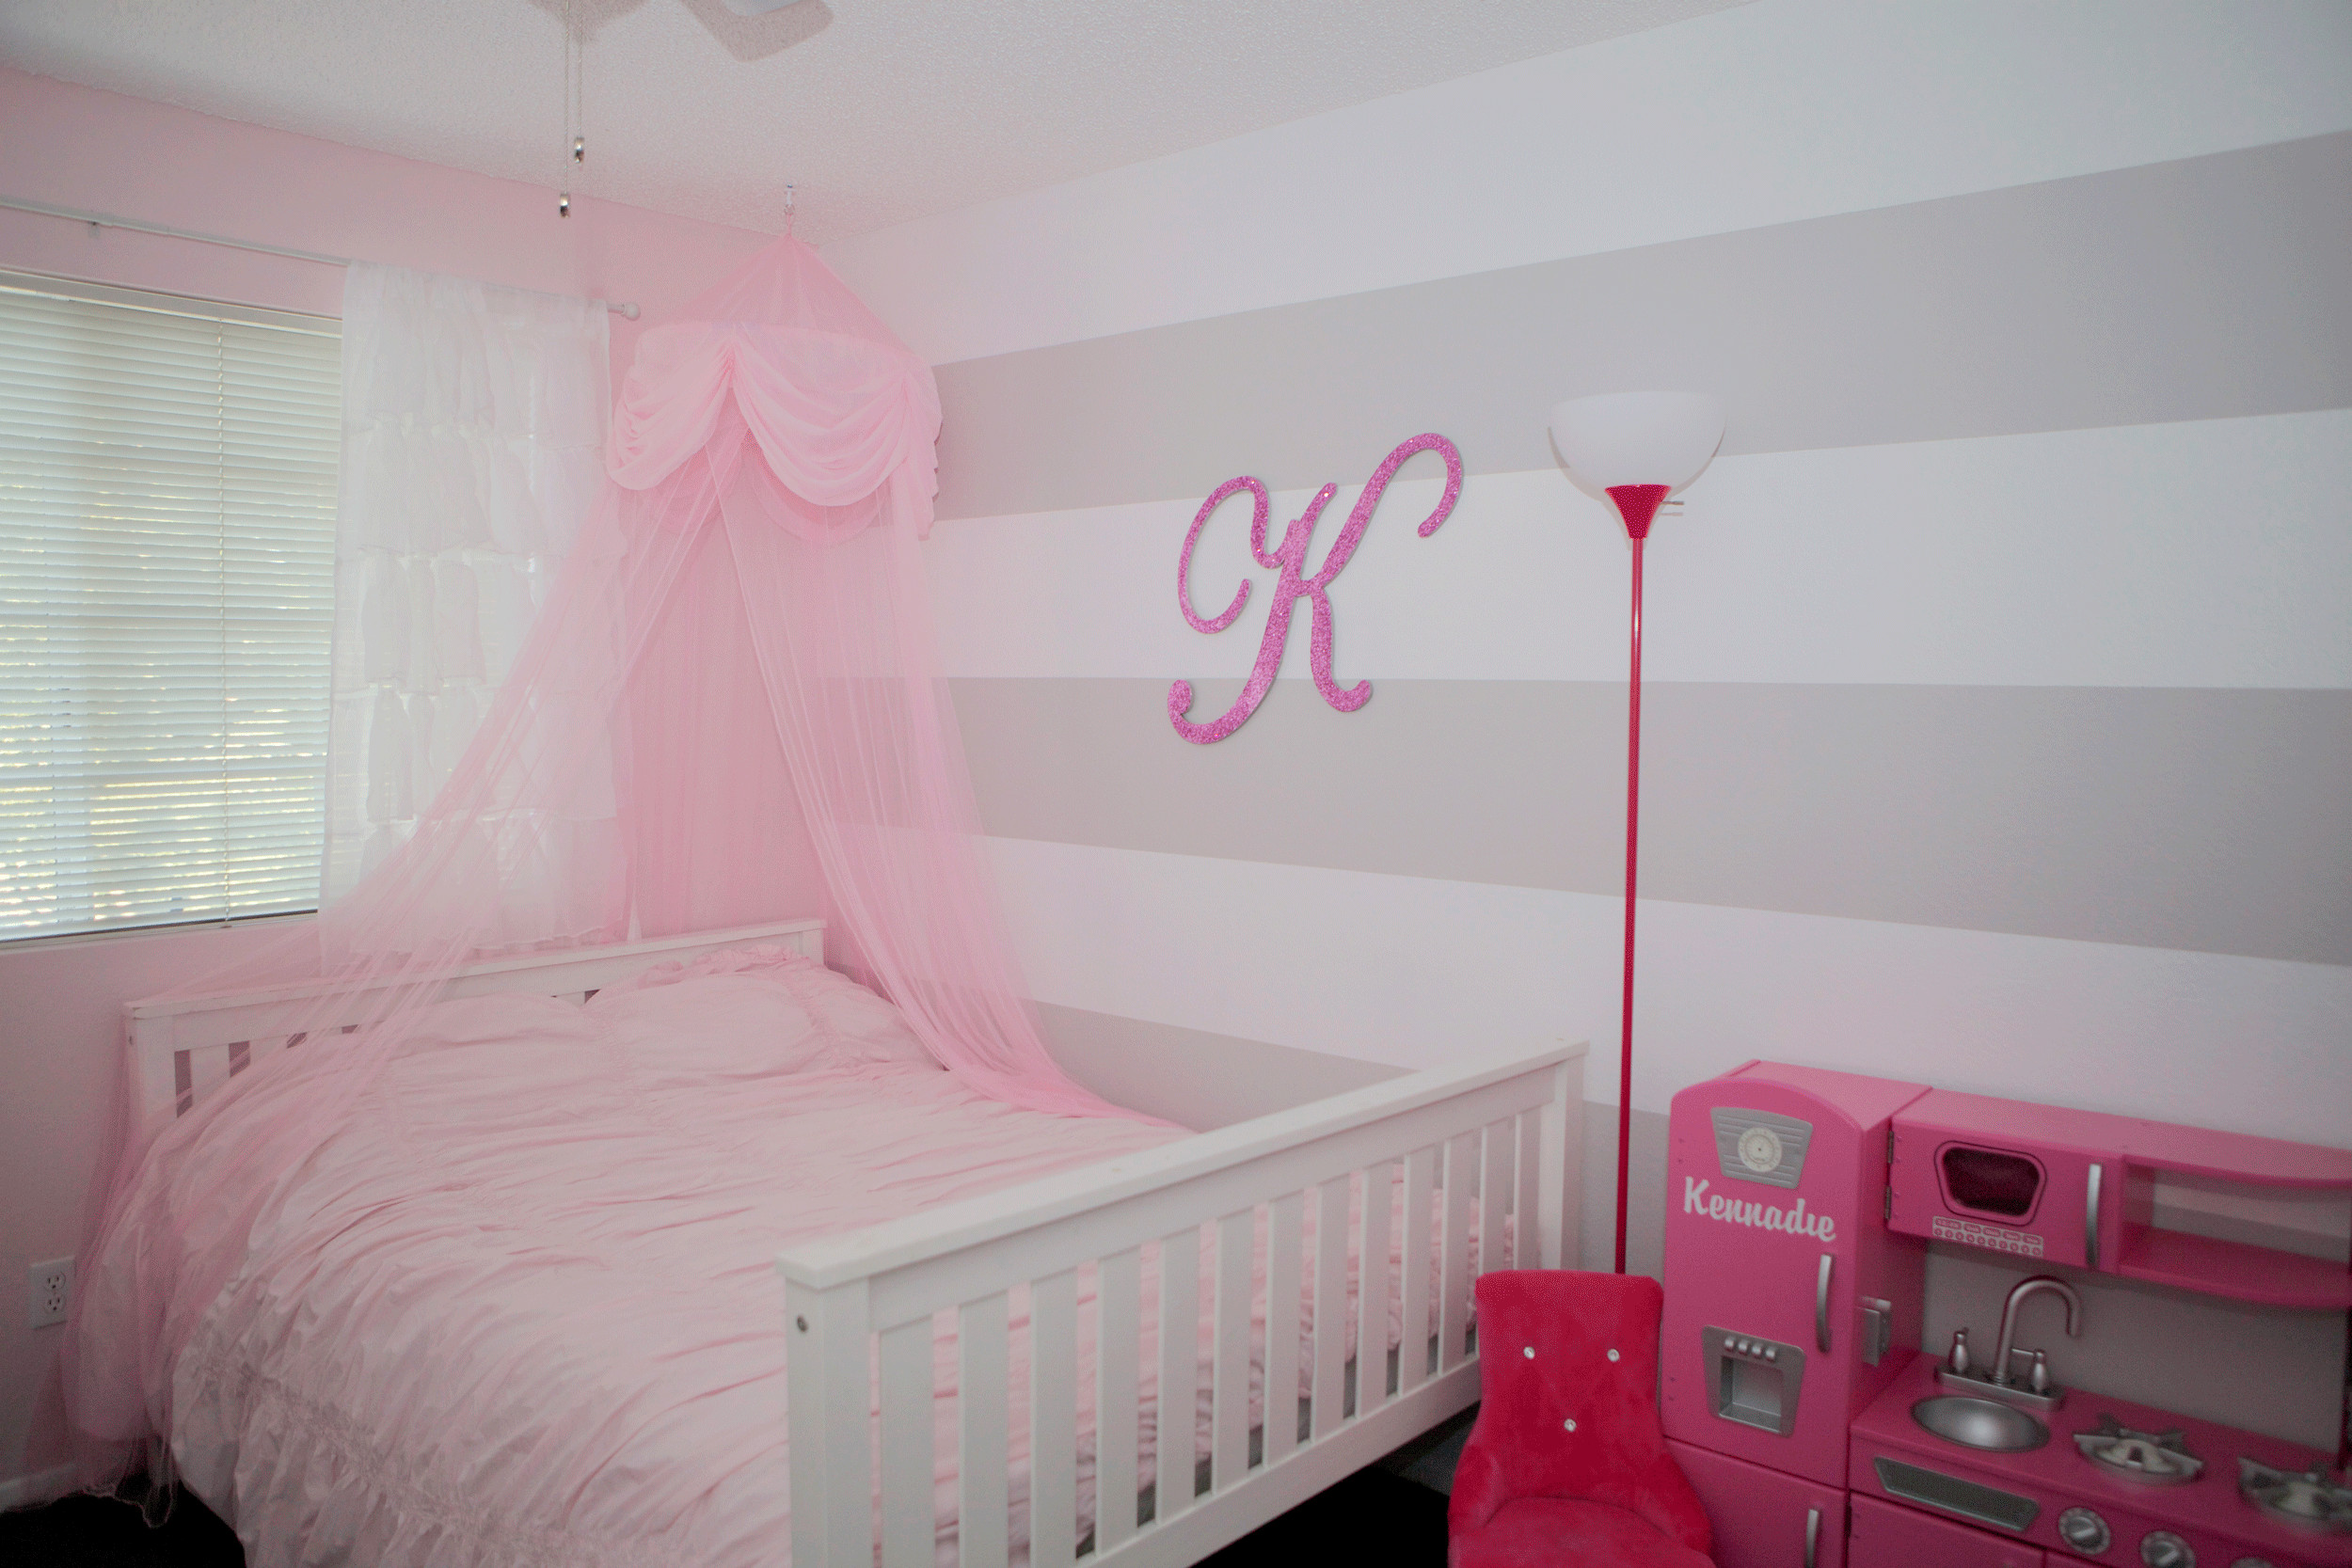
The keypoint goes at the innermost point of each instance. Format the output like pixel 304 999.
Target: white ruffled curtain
pixel 473 448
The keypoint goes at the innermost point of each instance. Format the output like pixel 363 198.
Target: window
pixel 167 602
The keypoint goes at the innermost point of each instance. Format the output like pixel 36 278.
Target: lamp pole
pixel 1638 504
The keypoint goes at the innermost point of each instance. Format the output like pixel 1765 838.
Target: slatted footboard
pixel 1486 1152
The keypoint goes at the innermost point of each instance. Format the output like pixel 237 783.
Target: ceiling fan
pixel 756 29
pixel 748 29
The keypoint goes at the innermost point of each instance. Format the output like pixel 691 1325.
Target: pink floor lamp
pixel 1634 450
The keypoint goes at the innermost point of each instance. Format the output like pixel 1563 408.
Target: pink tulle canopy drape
pixel 729 710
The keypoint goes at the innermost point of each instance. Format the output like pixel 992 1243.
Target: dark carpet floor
pixel 1371 1517
pixel 97 1532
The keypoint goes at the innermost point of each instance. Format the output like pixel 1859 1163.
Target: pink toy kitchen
pixel 1828 1397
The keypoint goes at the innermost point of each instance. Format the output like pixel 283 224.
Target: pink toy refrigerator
pixel 1789 1305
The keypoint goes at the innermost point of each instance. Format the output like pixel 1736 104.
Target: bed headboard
pixel 184 1048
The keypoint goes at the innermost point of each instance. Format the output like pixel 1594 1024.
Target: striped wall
pixel 2000 732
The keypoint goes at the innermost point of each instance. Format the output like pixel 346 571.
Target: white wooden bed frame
pixel 1498 1136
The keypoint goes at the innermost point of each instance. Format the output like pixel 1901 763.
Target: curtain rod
pixel 107 220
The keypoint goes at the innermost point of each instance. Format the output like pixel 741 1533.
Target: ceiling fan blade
pixel 756 29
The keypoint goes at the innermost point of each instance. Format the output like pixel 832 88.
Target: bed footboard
pixel 1489 1151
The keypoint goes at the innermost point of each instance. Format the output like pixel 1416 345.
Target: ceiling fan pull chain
pixel 574 129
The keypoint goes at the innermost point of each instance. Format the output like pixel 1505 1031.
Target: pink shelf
pixel 2190 1151
pixel 2234 1269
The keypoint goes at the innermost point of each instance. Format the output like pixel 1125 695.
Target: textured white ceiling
pixel 878 110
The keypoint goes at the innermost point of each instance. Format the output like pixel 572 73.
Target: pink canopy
pixel 729 711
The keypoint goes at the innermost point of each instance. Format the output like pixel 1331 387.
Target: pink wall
pixel 73 147
pixel 76 146
pixel 60 1023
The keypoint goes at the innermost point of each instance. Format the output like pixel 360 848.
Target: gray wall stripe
pixel 2199 289
pixel 2215 821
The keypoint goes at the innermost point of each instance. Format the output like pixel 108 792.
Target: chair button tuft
pixel 1569 1425
pixel 1612 1355
pixel 1531 1353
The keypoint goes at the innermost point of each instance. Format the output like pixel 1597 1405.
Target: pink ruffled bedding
pixel 524 1310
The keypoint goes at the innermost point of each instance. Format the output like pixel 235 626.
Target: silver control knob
pixel 2161 1549
pixel 2084 1530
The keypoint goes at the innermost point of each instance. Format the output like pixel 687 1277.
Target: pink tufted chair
pixel 1566 1463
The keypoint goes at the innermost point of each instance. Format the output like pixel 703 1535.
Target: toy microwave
pixel 2035 1181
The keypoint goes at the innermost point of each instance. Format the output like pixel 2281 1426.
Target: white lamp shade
pixel 1638 437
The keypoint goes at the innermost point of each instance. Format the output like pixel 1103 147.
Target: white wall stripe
pixel 1765 114
pixel 1413 971
pixel 2208 554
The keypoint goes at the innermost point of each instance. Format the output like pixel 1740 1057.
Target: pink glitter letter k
pixel 1293 585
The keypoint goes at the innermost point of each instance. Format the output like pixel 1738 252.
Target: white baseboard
pixel 41 1486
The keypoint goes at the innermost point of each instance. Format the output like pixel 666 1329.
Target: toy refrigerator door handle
pixel 1820 1304
pixel 1765 1518
pixel 2091 1221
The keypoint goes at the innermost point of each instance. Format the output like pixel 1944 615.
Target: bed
pixel 960 1362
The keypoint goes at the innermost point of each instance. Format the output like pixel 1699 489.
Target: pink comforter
pixel 524 1309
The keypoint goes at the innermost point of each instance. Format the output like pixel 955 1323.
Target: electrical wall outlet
pixel 52 1291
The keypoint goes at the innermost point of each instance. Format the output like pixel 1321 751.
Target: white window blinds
pixel 167 475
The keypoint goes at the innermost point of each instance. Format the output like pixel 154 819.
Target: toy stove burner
pixel 2308 1498
pixel 2155 1458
